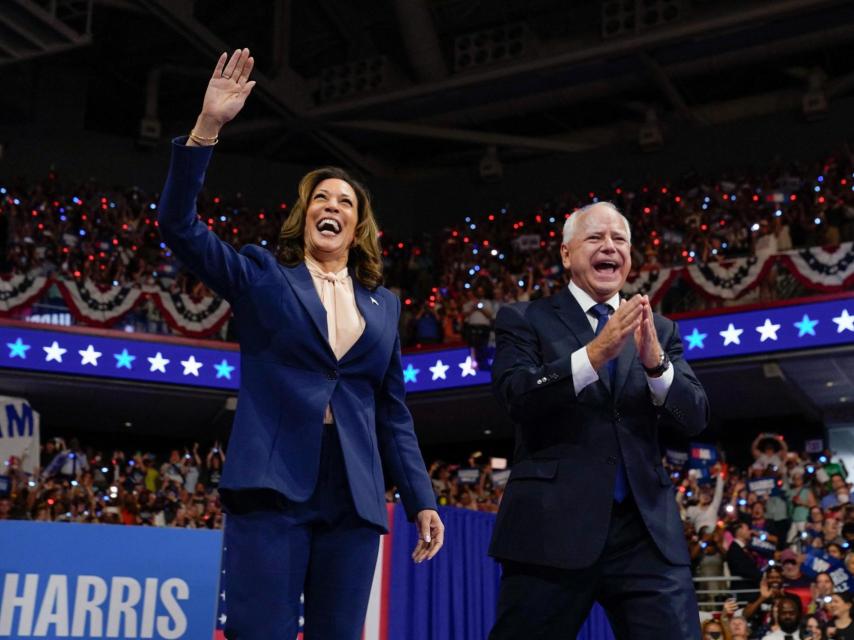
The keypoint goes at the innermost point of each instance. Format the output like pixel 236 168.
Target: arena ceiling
pixel 395 86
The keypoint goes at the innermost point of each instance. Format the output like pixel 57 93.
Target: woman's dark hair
pixel 822 633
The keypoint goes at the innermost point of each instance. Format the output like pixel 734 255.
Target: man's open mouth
pixel 606 266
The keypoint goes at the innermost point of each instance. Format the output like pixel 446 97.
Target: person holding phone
pixel 321 401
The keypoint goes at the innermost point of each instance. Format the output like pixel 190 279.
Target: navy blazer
pixel 557 504
pixel 289 373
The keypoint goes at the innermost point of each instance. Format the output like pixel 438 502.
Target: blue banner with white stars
pixel 49 351
pixel 447 369
pixel 773 329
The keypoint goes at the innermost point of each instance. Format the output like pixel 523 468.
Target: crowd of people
pixel 781 531
pixel 503 257
pixel 770 542
pixel 75 484
pixel 452 281
pixel 179 488
pixel 477 485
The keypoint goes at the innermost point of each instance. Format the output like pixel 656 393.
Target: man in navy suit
pixel 589 512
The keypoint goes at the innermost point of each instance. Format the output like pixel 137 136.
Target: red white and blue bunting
pixel 654 283
pixel 728 280
pixel 828 270
pixel 98 306
pixel 21 290
pixel 197 319
pixel 105 306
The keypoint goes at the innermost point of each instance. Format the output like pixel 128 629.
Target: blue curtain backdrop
pixel 454 596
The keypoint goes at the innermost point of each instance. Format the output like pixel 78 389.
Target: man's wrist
pixel 659 368
pixel 654 361
pixel 595 355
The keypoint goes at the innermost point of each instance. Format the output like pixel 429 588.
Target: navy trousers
pixel 276 550
pixel 644 596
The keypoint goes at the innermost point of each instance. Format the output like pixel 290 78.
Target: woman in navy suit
pixel 321 401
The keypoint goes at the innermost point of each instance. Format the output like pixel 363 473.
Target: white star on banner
pixel 54 352
pixel 191 366
pixel 768 331
pixel 439 370
pixel 158 363
pixel 222 618
pixel 844 322
pixel 89 356
pixel 469 368
pixel 731 335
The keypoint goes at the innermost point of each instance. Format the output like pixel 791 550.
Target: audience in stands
pixel 84 485
pixel 454 281
pixel 769 542
pixel 774 554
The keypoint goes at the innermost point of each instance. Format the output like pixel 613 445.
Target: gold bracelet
pixel 196 135
pixel 205 142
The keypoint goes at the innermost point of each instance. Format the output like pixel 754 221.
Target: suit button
pixel 332 374
pixel 612 460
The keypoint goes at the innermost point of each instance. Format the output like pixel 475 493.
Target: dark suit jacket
pixel 557 505
pixel 289 373
pixel 741 564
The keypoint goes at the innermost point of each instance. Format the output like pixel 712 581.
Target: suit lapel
pixel 624 365
pixel 372 306
pixel 303 286
pixel 573 316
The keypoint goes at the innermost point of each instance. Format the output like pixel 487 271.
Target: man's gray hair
pixel 571 224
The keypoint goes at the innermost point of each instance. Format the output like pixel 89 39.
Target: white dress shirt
pixel 583 373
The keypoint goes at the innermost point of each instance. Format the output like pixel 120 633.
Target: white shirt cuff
pixel 583 373
pixel 659 386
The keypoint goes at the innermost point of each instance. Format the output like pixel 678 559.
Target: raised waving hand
pixel 225 96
